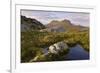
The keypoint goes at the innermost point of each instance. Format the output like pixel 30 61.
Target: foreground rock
pixel 55 52
pixel 58 47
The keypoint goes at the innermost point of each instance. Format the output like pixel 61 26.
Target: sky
pixel 45 17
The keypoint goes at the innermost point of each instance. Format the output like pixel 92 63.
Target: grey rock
pixel 58 47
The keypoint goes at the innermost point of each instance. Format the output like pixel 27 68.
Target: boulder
pixel 52 49
pixel 58 47
pixel 55 51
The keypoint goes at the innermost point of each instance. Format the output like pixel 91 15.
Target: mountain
pixel 53 26
pixel 30 24
pixel 64 25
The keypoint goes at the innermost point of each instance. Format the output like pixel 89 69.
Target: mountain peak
pixel 64 25
pixel 66 21
pixel 54 21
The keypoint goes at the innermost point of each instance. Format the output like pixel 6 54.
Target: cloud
pixel 47 16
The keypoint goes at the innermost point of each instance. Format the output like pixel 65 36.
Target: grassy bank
pixel 33 41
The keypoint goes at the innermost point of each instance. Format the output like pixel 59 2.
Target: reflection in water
pixel 77 53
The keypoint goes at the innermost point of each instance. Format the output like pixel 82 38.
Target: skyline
pixel 77 18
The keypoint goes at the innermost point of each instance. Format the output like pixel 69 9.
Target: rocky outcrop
pixel 30 24
pixel 58 47
pixel 55 51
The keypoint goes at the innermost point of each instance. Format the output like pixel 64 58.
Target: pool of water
pixel 77 53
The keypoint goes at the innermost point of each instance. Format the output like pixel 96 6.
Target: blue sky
pixel 77 18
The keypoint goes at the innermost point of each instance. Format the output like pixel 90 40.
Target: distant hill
pixel 64 25
pixel 30 24
pixel 53 26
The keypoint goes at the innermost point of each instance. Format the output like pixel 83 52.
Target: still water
pixel 77 53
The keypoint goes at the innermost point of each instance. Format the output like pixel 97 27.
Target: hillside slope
pixel 30 24
pixel 64 25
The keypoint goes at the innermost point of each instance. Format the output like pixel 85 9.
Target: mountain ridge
pixel 53 26
pixel 65 25
pixel 30 24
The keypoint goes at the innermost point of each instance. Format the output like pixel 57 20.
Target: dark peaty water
pixel 77 53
